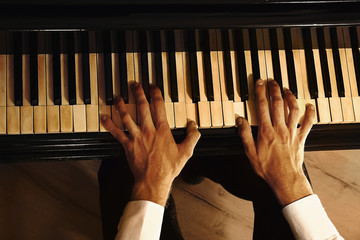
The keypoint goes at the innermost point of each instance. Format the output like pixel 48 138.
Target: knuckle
pixel 277 101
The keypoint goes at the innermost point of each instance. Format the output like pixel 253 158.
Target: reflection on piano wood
pixel 61 82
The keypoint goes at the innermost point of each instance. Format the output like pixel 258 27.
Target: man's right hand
pixel 278 154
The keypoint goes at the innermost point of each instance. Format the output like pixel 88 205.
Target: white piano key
pixel 52 111
pixel 40 110
pixel 66 111
pixel 79 110
pixel 116 89
pixel 26 110
pixel 352 77
pixel 322 103
pixel 130 66
pixel 12 111
pixel 103 108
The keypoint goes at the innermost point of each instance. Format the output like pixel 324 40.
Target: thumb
pixel 244 131
pixel 192 137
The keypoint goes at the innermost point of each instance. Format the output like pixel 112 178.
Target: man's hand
pixel 154 158
pixel 278 155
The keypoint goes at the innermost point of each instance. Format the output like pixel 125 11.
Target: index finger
pixel 262 103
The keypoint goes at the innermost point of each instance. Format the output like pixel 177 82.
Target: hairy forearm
pixel 290 188
pixel 157 193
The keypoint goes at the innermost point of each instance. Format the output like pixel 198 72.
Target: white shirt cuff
pixel 308 220
pixel 141 220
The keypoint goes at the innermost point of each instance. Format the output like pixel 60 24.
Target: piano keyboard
pixel 52 82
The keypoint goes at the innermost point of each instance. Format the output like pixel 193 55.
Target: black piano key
pixel 120 37
pixel 290 65
pixel 225 45
pixel 17 50
pixel 143 44
pixel 34 91
pixel 155 47
pixel 356 55
pixel 190 47
pixel 337 63
pixel 82 47
pixel 204 45
pixel 310 63
pixel 241 63
pixel 70 51
pixel 108 68
pixel 170 43
pixel 275 56
pixel 254 55
pixel 324 62
pixel 53 48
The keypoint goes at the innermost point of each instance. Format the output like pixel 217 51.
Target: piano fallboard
pixel 213 142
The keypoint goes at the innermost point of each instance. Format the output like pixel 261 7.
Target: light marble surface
pixel 59 200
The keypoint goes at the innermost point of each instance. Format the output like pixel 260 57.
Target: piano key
pixel 203 104
pixel 190 48
pixel 115 78
pixel 26 110
pixel 66 111
pixel 180 104
pixel 188 66
pixel 337 64
pixel 17 51
pixel 309 61
pixel 298 71
pixel 275 58
pixel 347 103
pixel 323 60
pixel 268 55
pixel 3 82
pixel 355 42
pixel 143 44
pixel 155 44
pixel 107 67
pixel 54 44
pixel 254 54
pixel 70 51
pixel 40 110
pixel 290 63
pixel 130 68
pixel 119 36
pixel 305 81
pixel 282 59
pixel 12 111
pixel 238 104
pixel 335 101
pixel 52 63
pixel 215 106
pixel 250 103
pixel 204 46
pixel 238 41
pixel 224 46
pixel 322 103
pixel 352 74
pixel 33 68
pixel 83 49
pixel 169 106
pixel 224 67
pixel 170 48
pixel 92 110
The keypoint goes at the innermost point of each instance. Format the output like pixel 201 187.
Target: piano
pixel 63 63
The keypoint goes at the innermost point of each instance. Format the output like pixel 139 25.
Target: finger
pixel 128 122
pixel 142 106
pixel 159 106
pixel 277 104
pixel 192 137
pixel 115 131
pixel 262 103
pixel 294 111
pixel 307 123
pixel 244 131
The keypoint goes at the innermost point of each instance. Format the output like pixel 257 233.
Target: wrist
pixel 291 189
pixel 157 193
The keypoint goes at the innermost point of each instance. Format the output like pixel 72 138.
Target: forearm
pixel 157 193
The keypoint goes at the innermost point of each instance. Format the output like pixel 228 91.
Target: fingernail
pixel 260 82
pixel 311 107
pixel 103 117
pixel 136 84
pixel 239 121
pixel 273 82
